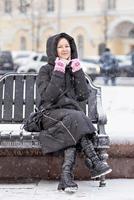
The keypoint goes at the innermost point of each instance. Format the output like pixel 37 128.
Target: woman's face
pixel 63 49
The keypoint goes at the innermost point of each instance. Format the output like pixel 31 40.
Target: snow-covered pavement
pixel 116 189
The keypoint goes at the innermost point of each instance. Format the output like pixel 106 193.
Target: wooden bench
pixel 20 151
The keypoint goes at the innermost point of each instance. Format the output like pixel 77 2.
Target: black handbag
pixel 33 122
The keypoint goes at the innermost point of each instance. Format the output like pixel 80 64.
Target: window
pixel 35 58
pixel 132 48
pixel 80 5
pixel 111 4
pixel 43 59
pixel 50 5
pixel 80 42
pixel 131 33
pixel 23 43
pixel 23 6
pixel 101 48
pixel 8 6
pixel 6 61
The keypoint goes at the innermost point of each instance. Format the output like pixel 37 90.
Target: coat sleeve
pixel 49 86
pixel 81 87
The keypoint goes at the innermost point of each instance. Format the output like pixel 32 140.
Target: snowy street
pixel 118 189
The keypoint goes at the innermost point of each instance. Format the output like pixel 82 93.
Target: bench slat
pixel 18 101
pixel 37 97
pixel 8 98
pixel 1 96
pixel 29 95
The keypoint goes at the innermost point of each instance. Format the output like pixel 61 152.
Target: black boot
pixel 66 181
pixel 97 167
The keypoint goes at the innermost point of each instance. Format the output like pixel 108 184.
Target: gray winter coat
pixel 64 123
pixel 108 61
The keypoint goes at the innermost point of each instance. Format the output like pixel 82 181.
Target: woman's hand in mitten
pixel 59 65
pixel 75 64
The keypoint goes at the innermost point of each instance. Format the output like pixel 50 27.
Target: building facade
pixel 26 24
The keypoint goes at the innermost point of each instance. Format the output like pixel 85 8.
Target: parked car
pixel 21 57
pixel 125 67
pixel 6 62
pixel 33 63
pixel 92 59
pixel 91 67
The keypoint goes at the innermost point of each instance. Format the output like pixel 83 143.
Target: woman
pixel 62 84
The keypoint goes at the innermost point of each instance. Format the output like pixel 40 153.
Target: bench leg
pixel 103 156
pixel 102 181
pixel 102 142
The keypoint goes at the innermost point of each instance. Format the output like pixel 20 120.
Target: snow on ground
pixel 116 189
pixel 118 104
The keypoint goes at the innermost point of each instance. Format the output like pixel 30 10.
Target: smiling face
pixel 64 49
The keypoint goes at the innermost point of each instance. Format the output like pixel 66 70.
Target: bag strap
pixel 55 101
pixel 61 95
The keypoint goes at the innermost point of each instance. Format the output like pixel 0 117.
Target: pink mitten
pixel 75 65
pixel 59 65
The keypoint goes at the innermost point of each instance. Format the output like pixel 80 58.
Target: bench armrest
pixel 95 102
pixel 102 118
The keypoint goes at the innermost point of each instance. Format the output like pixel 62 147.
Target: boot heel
pixel 60 186
pixel 70 189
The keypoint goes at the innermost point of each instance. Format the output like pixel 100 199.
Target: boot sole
pixel 102 174
pixel 69 189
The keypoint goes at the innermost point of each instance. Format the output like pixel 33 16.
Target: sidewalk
pixel 120 81
pixel 116 189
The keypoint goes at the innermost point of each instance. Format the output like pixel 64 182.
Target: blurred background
pixel 25 26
